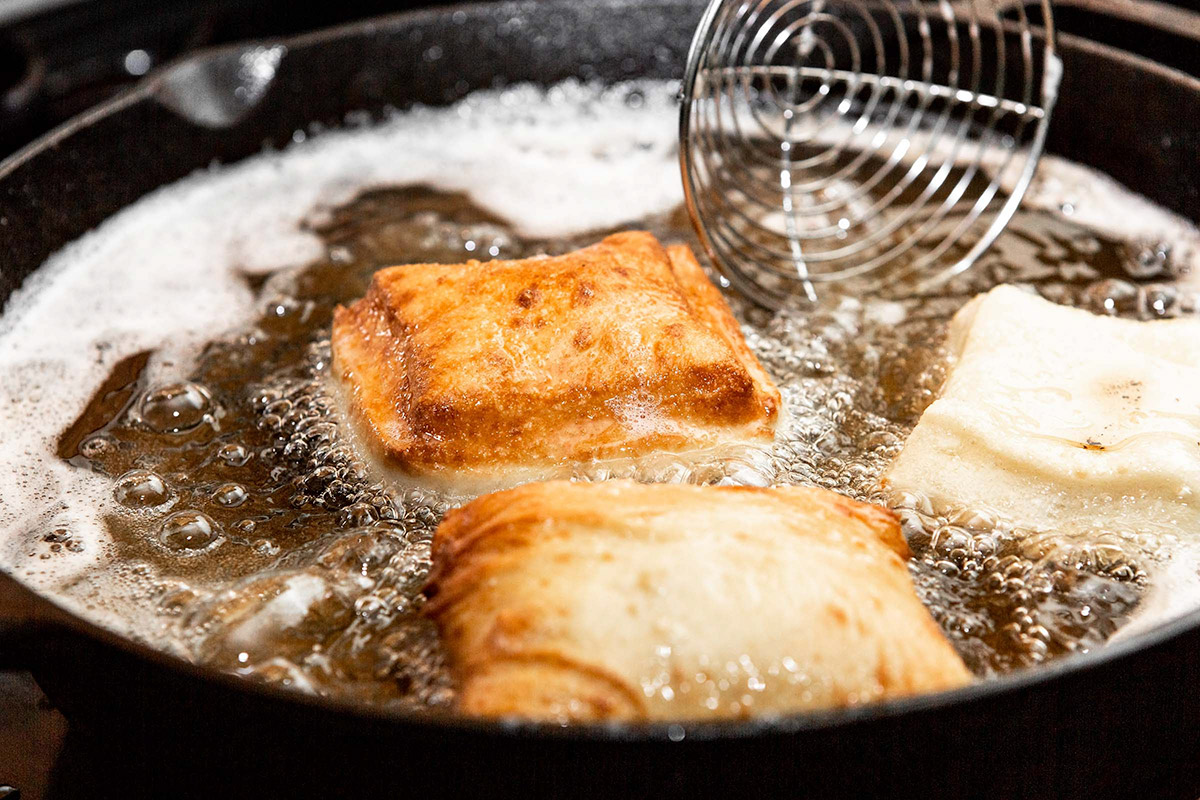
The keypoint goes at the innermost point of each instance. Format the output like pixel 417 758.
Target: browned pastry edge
pixel 411 419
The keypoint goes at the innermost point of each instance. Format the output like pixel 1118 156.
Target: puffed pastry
pixel 481 375
pixel 623 601
pixel 1059 419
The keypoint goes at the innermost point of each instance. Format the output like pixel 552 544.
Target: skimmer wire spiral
pixel 871 140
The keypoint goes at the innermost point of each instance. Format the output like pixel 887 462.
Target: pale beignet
pixel 1059 419
pixel 618 600
pixel 481 375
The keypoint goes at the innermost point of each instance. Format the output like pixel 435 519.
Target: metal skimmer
pixel 867 140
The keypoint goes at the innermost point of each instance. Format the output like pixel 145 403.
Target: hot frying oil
pixel 277 556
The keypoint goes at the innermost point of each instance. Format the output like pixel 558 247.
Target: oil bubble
pixel 230 495
pixel 98 445
pixel 233 454
pixel 265 547
pixel 175 408
pixel 357 515
pixel 188 532
pixel 58 536
pixel 176 597
pixel 141 488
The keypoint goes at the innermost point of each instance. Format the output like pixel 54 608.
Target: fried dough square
pixel 624 601
pixel 1058 419
pixel 481 375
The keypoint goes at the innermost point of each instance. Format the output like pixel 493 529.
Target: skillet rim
pixel 61 620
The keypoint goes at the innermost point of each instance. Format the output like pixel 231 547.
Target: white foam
pixel 164 273
pixel 1094 200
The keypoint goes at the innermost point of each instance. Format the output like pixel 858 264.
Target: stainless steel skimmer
pixel 874 141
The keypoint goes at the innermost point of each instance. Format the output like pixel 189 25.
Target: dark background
pixel 60 57
pixel 70 55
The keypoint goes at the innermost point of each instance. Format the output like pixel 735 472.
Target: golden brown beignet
pixel 486 374
pixel 618 600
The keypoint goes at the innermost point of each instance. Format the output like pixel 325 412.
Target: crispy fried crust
pixel 575 601
pixel 612 351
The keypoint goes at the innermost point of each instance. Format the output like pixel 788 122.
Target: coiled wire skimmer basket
pixel 869 141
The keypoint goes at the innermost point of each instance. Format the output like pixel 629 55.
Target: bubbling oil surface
pixel 280 558
pixel 261 545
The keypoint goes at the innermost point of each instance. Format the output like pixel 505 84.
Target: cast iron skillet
pixel 1121 721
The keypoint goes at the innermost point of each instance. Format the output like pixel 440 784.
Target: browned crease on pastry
pixel 625 601
pixel 488 373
